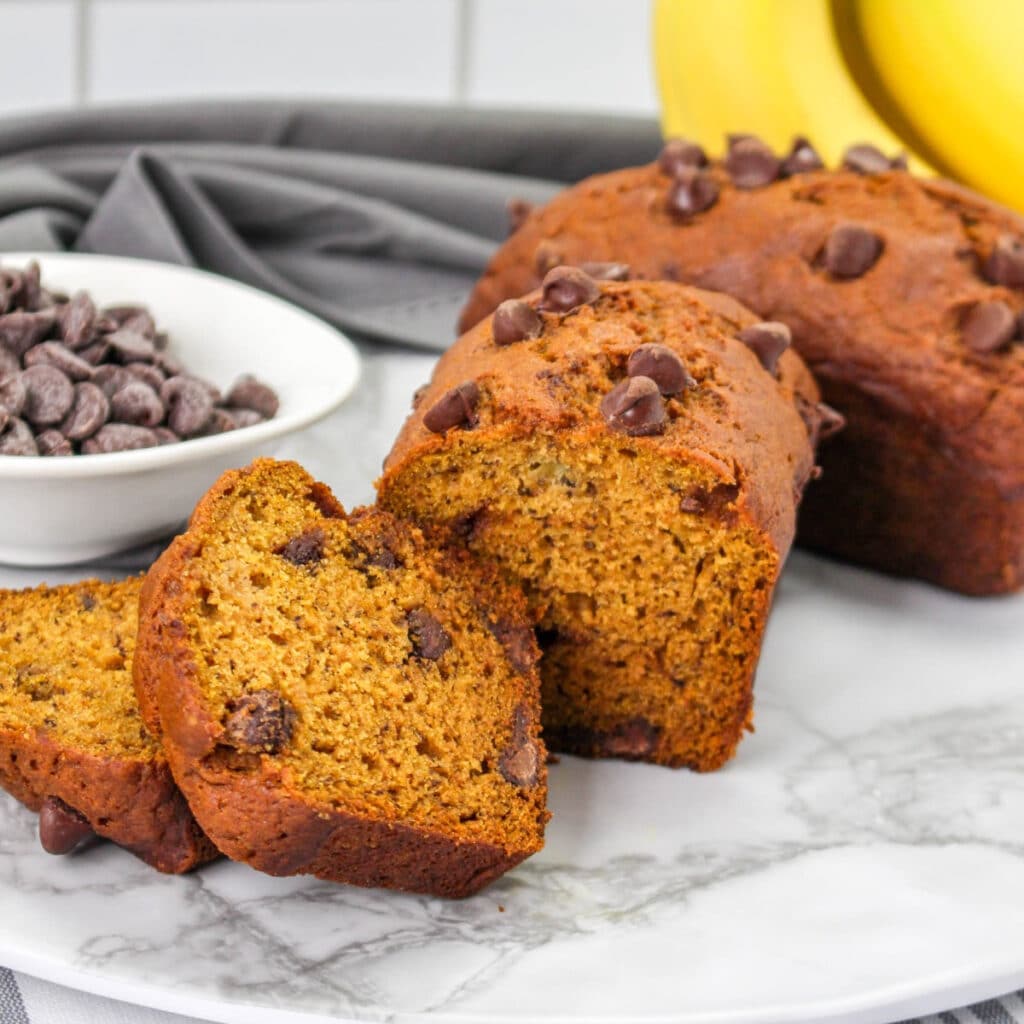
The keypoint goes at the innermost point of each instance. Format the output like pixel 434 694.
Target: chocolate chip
pixel 137 403
pixel 89 411
pixel 95 353
pixel 53 442
pixel 801 159
pixel 164 435
pixel 260 721
pixel 751 163
pixel 865 159
pixel 515 320
pixel 380 556
pixel 62 829
pixel 691 193
pixel 110 378
pixel 1005 264
pixel 567 288
pixel 13 394
pixel 29 292
pixel 78 321
pixel 17 439
pixel 767 340
pixel 53 353
pixel 518 641
pixel 662 365
pixel 141 322
pixel 120 315
pixel 635 407
pixel 9 362
pixel 546 257
pixel 19 331
pixel 305 549
pixel 455 408
pixel 249 393
pixel 715 502
pixel 851 250
pixel 48 395
pixel 635 738
pixel 246 418
pixel 519 762
pixel 221 421
pixel 131 346
pixel 606 271
pixel 518 210
pixel 147 373
pixel 830 421
pixel 427 636
pixel 189 405
pixel 988 326
pixel 119 437
pixel 680 156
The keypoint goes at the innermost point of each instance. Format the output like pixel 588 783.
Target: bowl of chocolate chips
pixel 127 387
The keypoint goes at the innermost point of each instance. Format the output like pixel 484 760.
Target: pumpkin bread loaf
pixel 904 297
pixel 72 743
pixel 631 455
pixel 337 697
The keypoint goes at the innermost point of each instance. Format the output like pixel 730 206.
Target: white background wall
pixel 552 54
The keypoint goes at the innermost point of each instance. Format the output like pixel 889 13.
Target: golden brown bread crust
pixel 256 815
pixel 133 803
pixel 928 478
pixel 740 425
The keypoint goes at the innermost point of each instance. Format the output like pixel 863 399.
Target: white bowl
pixel 58 511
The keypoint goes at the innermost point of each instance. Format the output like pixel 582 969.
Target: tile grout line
pixel 463 42
pixel 83 48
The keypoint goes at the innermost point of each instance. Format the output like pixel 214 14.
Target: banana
pixel 953 70
pixel 774 68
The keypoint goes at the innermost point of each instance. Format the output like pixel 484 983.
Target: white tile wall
pixel 38 63
pixel 551 54
pixel 561 54
pixel 148 49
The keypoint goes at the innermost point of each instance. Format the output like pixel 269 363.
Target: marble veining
pixel 854 862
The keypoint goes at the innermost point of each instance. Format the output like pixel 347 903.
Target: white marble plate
pixel 862 858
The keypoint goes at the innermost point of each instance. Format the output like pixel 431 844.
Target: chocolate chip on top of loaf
pixel 904 296
pixel 72 743
pixel 338 697
pixel 634 462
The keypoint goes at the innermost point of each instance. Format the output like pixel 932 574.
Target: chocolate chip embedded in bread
pixel 1005 264
pixel 518 641
pixel 851 250
pixel 426 634
pixel 829 421
pixel 767 340
pixel 606 271
pixel 519 762
pixel 261 720
pixel 635 407
pixel 636 738
pixel 546 257
pixel 865 159
pixel 988 326
pixel 691 193
pixel 62 829
pixel 751 163
pixel 568 288
pixel 305 549
pixel 801 159
pixel 518 210
pixel 515 320
pixel 662 365
pixel 679 156
pixel 455 408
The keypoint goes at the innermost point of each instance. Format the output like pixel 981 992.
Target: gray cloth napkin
pixel 376 218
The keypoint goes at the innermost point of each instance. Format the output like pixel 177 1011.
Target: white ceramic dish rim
pixel 920 998
pixel 20 468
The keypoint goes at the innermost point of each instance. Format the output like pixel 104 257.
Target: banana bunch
pixel 942 80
